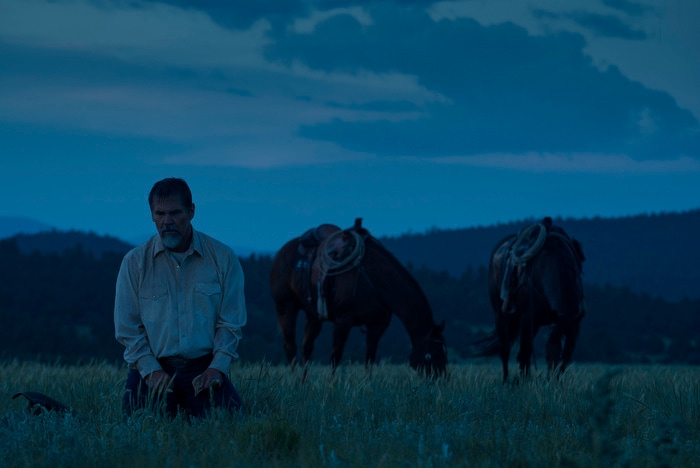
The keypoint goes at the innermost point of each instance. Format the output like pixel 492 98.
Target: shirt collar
pixel 195 245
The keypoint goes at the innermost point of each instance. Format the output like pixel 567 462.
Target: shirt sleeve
pixel 128 326
pixel 232 316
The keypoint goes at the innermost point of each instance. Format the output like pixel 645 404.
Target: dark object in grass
pixel 38 403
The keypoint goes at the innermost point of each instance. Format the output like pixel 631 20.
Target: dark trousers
pixel 182 398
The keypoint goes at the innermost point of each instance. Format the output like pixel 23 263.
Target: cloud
pixel 504 90
pixel 380 106
pixel 387 80
pixel 241 14
pixel 601 25
pixel 577 163
pixel 629 7
pixel 151 34
pixel 334 4
pixel 607 26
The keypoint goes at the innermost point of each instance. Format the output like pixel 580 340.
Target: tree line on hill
pixel 57 303
pixel 652 254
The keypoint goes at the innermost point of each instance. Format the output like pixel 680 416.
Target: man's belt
pixel 181 362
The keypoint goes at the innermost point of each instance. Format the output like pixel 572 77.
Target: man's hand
pixel 210 378
pixel 159 381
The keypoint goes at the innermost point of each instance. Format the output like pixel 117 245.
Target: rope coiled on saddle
pixel 331 266
pixel 525 236
pixel 521 251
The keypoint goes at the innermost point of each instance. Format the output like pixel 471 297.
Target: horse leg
pixel 570 337
pixel 287 320
pixel 505 329
pixel 527 335
pixel 312 329
pixel 341 331
pixel 374 334
pixel 554 354
pixel 504 352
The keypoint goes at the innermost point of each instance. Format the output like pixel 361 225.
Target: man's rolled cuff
pixel 221 362
pixel 147 365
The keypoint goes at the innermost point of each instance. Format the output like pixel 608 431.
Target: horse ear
pixel 441 327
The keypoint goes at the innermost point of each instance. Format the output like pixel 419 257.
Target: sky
pixel 284 114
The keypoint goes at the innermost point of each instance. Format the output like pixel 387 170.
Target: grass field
pixel 596 415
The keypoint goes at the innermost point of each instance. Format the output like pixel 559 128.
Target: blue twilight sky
pixel 284 114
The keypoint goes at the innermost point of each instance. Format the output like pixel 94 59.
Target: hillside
pixel 650 254
pixel 59 241
pixel 57 299
pixel 12 225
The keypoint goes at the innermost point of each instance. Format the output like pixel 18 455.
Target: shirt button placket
pixel 181 306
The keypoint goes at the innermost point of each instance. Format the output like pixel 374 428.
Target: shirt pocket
pixel 207 302
pixel 154 303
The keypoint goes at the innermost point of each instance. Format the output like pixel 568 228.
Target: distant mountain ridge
pixel 54 241
pixel 11 225
pixel 26 228
pixel 653 254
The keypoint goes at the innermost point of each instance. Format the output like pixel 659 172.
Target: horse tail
pixel 492 347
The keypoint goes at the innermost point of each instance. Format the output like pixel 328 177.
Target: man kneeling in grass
pixel 179 309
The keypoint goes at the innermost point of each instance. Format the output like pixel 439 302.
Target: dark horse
pixel 535 280
pixel 347 277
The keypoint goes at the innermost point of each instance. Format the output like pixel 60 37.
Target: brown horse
pixel 535 280
pixel 347 277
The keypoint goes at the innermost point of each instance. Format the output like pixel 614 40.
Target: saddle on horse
pixel 524 247
pixel 324 251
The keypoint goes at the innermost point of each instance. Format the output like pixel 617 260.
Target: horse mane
pixel 571 243
pixel 500 243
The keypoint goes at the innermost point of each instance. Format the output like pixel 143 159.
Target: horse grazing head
pixel 429 357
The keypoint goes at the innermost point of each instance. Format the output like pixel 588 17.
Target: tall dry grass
pixel 596 415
